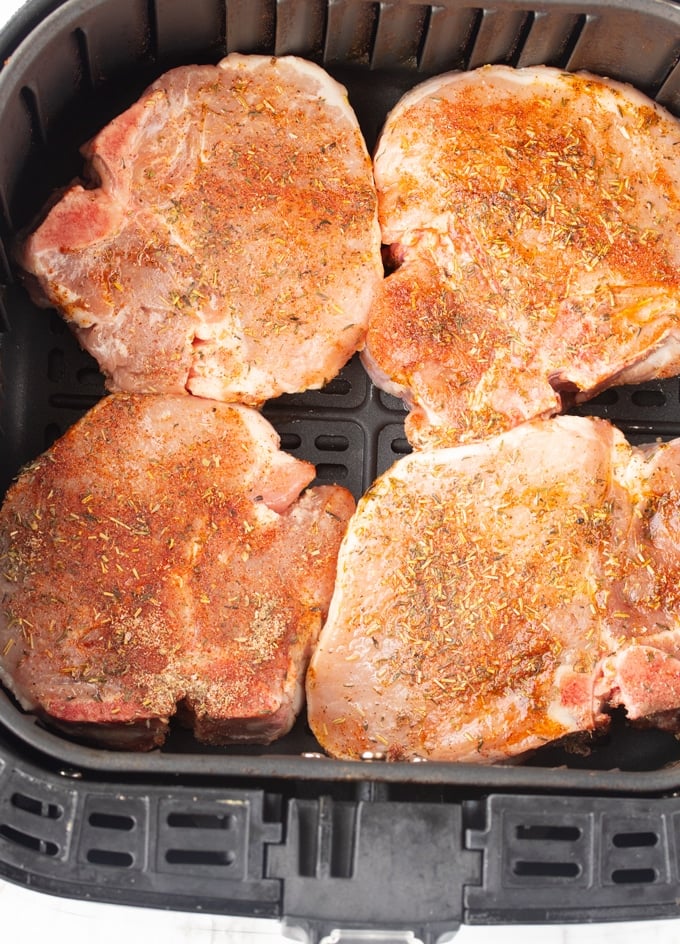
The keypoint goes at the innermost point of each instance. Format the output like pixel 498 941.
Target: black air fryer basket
pixel 285 832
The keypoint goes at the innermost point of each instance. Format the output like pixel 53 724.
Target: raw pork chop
pixel 159 554
pixel 534 217
pixel 230 246
pixel 497 596
pixel 643 633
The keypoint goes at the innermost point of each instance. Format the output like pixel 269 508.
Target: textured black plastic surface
pixel 360 861
pixel 354 856
pixel 571 860
pixel 123 842
pixel 587 835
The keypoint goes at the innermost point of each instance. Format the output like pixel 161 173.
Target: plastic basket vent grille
pixel 207 848
pixel 35 823
pixel 609 854
pixel 232 851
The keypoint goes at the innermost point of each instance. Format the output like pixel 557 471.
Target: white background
pixel 39 917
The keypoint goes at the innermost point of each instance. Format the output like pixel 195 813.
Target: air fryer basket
pixel 283 831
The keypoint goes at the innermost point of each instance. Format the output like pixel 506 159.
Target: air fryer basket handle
pixel 367 865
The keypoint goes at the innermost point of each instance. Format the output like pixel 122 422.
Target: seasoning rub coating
pixel 160 553
pixel 533 217
pixel 494 597
pixel 227 241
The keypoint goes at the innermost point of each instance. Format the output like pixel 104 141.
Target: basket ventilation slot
pixel 400 446
pixel 85 60
pixel 32 105
pixel 4 317
pixel 564 861
pixel 203 838
pixel 552 833
pixel 27 836
pixel 635 840
pixel 34 818
pixel 545 852
pixel 634 876
pixel 111 858
pixel 644 413
pixel 113 834
pixel 200 827
pixel 152 34
pixel 29 840
pixel 543 869
pixel 35 806
pixel 113 821
pixel 562 852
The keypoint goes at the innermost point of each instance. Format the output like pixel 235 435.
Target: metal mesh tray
pixel 282 831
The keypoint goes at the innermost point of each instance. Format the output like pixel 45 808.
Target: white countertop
pixel 43 917
pixel 61 921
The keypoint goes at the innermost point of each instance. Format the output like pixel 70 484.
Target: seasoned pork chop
pixel 643 630
pixel 159 553
pixel 497 596
pixel 534 220
pixel 229 246
pixel 463 622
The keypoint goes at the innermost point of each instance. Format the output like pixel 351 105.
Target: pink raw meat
pixel 229 246
pixel 534 220
pixel 494 597
pixel 160 553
